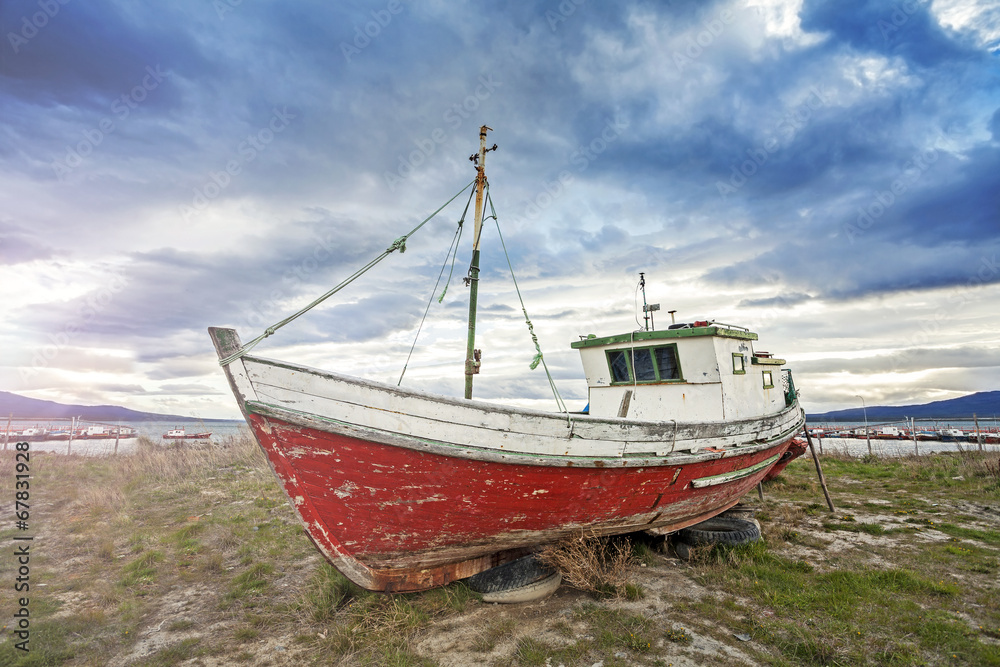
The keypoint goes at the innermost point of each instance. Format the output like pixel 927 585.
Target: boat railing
pixel 789 385
pixel 728 326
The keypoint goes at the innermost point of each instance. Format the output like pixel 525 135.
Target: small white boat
pixel 181 434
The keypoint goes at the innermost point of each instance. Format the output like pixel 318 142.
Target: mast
pixel 648 308
pixel 472 355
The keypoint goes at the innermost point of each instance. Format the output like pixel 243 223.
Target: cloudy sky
pixel 825 173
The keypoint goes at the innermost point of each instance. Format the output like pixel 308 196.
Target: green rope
pixel 539 358
pixel 398 244
pixel 452 253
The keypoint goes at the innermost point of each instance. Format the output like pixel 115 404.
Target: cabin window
pixel 739 364
pixel 768 380
pixel 619 366
pixel 644 364
pixel 666 363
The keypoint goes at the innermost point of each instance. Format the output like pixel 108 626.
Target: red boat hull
pixel 415 519
pixel 796 448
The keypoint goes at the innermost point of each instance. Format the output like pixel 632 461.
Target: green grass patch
pixel 495 631
pixel 454 597
pixel 48 644
pixel 377 629
pixel 182 651
pixel 987 536
pixel 250 583
pixel 530 651
pixel 968 557
pixel 184 538
pixel 645 553
pixel 326 592
pixel 616 628
pixel 859 615
pixel 246 634
pixel 141 571
pixel 862 527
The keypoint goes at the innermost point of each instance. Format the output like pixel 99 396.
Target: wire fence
pixel 907 436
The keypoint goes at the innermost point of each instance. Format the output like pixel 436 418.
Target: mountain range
pixel 23 407
pixel 985 404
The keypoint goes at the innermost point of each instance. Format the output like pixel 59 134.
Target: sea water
pixel 154 430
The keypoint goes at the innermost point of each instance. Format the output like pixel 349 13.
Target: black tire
pixel 515 574
pixel 720 530
pixel 741 512
pixel 530 593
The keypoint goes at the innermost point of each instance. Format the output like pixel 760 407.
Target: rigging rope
pixel 452 253
pixel 539 357
pixel 398 244
pixel 454 256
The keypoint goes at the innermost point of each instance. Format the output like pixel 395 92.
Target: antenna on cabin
pixel 647 309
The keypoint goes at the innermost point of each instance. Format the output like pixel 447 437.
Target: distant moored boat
pixel 181 434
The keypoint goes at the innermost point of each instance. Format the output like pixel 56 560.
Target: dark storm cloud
pixel 889 27
pixel 80 53
pixel 780 301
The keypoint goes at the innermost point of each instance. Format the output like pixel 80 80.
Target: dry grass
pixel 596 564
pixel 985 465
pixel 153 462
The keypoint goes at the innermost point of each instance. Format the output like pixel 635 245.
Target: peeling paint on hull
pixel 411 511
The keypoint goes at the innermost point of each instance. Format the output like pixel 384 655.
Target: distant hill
pixel 24 407
pixel 984 404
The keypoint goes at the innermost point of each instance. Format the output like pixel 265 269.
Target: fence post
pixel 6 434
pixel 819 469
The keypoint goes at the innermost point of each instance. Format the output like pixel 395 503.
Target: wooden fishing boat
pixel 403 490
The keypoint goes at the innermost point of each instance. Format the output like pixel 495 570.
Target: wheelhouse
pixel 705 371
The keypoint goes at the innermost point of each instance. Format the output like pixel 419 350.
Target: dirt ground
pixel 457 640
